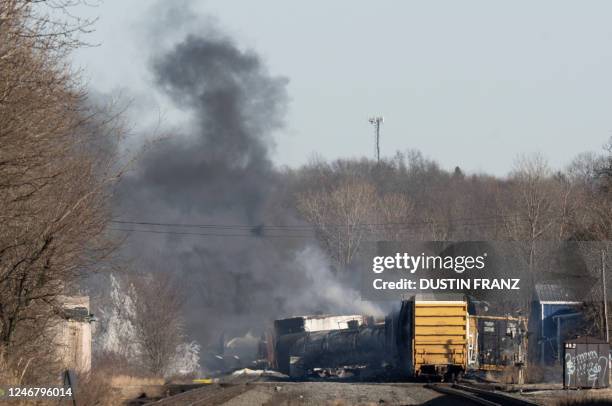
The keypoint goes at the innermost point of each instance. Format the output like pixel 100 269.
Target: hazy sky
pixel 469 83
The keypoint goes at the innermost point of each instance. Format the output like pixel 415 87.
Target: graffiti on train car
pixel 586 366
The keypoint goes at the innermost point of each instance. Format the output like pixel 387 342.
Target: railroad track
pixel 216 394
pixel 480 396
pixel 213 394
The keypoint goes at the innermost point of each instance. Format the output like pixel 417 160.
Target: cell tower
pixel 376 122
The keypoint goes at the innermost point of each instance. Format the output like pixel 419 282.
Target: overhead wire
pixel 298 230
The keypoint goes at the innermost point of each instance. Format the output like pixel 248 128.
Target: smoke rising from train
pixel 217 170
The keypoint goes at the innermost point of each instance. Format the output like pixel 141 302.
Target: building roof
pixel 78 314
pixel 556 292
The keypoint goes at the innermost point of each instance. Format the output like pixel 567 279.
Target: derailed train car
pixel 497 342
pixel 299 353
pixel 425 337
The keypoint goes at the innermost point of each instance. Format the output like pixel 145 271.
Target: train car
pixel 439 337
pixel 422 338
pixel 358 348
pixel 500 342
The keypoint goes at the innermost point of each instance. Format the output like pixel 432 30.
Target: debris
pixel 248 371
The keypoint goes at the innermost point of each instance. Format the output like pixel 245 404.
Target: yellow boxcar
pixel 440 337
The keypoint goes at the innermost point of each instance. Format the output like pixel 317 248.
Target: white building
pixel 74 334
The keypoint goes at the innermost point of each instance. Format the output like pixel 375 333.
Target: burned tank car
pixel 360 344
pixel 423 337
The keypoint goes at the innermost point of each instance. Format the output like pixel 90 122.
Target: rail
pixel 480 396
pixel 207 395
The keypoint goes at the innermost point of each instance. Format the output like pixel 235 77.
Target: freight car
pixel 498 342
pixel 439 338
pixel 422 338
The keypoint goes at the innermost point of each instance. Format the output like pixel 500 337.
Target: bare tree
pixel 54 182
pixel 394 213
pixel 157 318
pixel 535 205
pixel 346 214
pixel 340 217
pixel 598 198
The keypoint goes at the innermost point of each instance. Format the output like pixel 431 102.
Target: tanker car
pixel 422 338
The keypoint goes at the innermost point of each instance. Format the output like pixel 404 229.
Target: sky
pixel 468 83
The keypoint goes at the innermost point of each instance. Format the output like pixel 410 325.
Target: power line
pixel 461 221
pixel 297 231
pixel 214 226
pixel 206 234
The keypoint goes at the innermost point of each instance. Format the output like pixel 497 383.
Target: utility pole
pixel 376 122
pixel 605 296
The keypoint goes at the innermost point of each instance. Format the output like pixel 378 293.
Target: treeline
pixel 410 197
pixel 545 212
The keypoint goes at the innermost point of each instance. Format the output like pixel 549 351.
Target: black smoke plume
pixel 218 171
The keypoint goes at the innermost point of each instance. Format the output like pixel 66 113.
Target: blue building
pixel 557 311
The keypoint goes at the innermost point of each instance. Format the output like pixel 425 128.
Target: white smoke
pixel 327 292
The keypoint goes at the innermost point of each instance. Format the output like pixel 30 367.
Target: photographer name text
pixel 410 264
